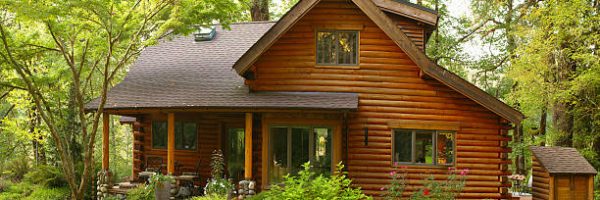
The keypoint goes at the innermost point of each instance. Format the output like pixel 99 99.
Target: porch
pixel 257 146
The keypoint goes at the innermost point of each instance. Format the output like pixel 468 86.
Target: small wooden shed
pixel 561 173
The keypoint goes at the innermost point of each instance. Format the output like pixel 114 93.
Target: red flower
pixel 426 191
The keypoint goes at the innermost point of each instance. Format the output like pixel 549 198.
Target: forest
pixel 540 57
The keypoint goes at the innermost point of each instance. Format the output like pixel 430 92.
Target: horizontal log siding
pixel 541 181
pixel 211 127
pixel 389 89
pixel 413 29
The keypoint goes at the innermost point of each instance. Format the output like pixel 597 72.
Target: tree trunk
pixel 563 123
pixel 260 10
pixel 542 129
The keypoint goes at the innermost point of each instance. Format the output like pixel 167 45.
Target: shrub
pixel 17 168
pixel 47 176
pixel 4 184
pixel 142 192
pixel 211 197
pixel 10 196
pixel 218 187
pixel 432 189
pixel 42 193
pixel 307 185
pixel 22 188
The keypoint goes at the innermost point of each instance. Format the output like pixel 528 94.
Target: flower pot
pixel 162 191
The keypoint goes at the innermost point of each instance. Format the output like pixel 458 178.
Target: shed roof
pixel 182 73
pixel 562 160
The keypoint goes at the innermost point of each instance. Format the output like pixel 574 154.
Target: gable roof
pixel 182 73
pixel 408 9
pixel 562 160
pixel 427 66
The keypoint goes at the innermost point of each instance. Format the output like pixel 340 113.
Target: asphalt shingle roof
pixel 562 160
pixel 182 73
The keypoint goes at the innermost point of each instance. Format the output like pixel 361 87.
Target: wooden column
pixel 248 147
pixel 171 143
pixel 105 141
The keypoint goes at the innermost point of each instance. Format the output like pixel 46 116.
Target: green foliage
pixel 210 197
pixel 63 54
pixel 47 176
pixel 17 168
pixel 432 189
pixel 307 185
pixel 142 192
pixel 218 187
pixel 42 193
pixel 4 185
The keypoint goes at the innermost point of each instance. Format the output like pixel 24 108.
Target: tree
pixel 64 53
pixel 557 67
pixel 260 10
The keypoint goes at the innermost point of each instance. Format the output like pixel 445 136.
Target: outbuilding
pixel 561 173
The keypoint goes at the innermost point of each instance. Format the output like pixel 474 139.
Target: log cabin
pixel 331 81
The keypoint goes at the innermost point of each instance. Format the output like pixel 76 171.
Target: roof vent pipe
pixel 205 33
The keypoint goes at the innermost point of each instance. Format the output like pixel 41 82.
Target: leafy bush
pixel 218 187
pixel 47 176
pixel 21 188
pixel 433 189
pixel 142 192
pixel 17 168
pixel 211 197
pixel 307 185
pixel 42 193
pixel 10 196
pixel 4 184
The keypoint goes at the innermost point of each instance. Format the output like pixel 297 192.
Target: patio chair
pixel 154 165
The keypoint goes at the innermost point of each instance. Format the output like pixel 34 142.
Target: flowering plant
pixel 517 179
pixel 433 189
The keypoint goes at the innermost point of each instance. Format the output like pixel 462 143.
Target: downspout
pixel 345 129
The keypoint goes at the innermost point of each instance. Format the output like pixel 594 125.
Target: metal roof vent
pixel 205 33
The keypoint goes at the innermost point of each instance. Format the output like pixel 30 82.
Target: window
pixel 337 47
pixel 423 147
pixel 186 135
pixel 291 147
pixel 234 151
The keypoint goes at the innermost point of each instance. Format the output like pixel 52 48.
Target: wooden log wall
pixel 541 181
pixel 390 89
pixel 211 129
pixel 413 29
pixel 138 129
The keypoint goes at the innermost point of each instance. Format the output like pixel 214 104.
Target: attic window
pixel 205 33
pixel 337 48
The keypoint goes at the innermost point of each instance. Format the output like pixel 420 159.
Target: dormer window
pixel 337 48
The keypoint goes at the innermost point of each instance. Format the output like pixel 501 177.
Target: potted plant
pixel 161 185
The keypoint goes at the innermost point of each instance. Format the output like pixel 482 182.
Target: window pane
pixel 159 135
pixel 403 146
pixel 322 151
pixel 190 135
pixel 279 158
pixel 300 152
pixel 424 147
pixel 235 153
pixel 178 135
pixel 445 148
pixel 326 47
pixel 347 47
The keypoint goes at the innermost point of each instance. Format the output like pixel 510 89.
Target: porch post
pixel 105 141
pixel 248 147
pixel 171 143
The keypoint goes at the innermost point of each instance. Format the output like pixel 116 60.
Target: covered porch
pixel 260 146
